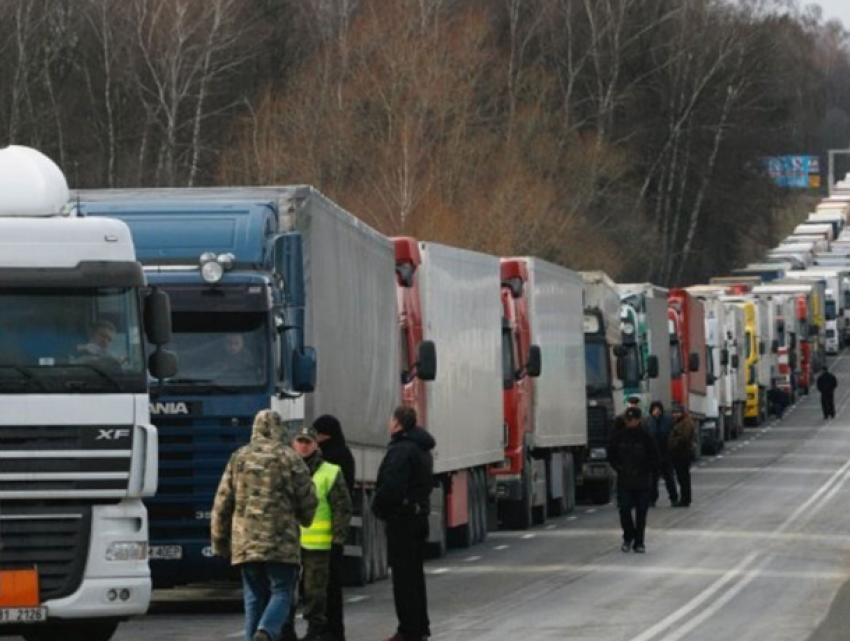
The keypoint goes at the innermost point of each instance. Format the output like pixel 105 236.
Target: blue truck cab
pixel 236 283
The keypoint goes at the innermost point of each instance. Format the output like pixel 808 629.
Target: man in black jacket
pixel 826 386
pixel 334 450
pixel 634 456
pixel 402 500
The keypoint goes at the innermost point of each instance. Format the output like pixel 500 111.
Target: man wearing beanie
pixel 335 450
pixel 680 447
pixel 634 456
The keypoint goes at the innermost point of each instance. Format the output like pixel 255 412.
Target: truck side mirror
pixel 534 367
pixel 304 370
pixel 774 347
pixel 735 361
pixel 158 317
pixel 710 379
pixel 162 364
pixel 693 362
pixel 426 363
pixel 762 348
pixel 724 357
pixel 652 366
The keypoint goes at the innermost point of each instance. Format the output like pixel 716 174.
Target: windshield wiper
pixel 100 372
pixel 207 384
pixel 28 376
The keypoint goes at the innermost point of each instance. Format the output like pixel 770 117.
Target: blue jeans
pixel 268 596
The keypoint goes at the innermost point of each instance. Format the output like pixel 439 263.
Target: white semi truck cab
pixel 77 451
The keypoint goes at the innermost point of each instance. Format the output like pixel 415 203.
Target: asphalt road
pixel 762 554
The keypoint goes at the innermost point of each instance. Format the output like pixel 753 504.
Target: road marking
pixel 550 527
pixel 472 559
pixel 357 599
pixel 590 511
pixel 236 635
pixel 528 536
pixel 440 570
pixel 572 518
pixel 501 547
pixel 697 601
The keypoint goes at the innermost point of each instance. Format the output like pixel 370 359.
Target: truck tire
pixel 94 630
pixel 569 483
pixel 517 514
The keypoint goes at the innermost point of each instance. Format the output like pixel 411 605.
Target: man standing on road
pixel 265 493
pixel 680 448
pixel 660 424
pixel 334 450
pixel 328 530
pixel 633 455
pixel 402 500
pixel 826 386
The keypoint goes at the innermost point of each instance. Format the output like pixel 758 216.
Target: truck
pixel 602 349
pixel 721 410
pixel 261 279
pixel 688 380
pixel 837 303
pixel 462 405
pixel 77 448
pixel 545 386
pixel 643 312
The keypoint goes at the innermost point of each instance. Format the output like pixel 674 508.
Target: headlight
pixel 212 272
pixel 127 551
pixel 598 454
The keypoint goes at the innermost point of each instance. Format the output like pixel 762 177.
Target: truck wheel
pixel 94 630
pixel 517 514
pixel 569 482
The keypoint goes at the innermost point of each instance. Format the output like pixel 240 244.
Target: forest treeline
pixel 625 135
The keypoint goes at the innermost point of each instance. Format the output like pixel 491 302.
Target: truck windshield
pixel 71 341
pixel 675 360
pixel 220 351
pixel 830 310
pixel 631 365
pixel 596 366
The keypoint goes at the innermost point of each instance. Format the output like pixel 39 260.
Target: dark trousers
pixel 827 404
pixel 636 501
pixel 336 623
pixel 315 572
pixel 682 465
pixel 666 472
pixel 406 537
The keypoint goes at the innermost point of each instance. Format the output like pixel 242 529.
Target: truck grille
pixel 54 539
pixel 192 456
pixel 65 461
pixel 597 425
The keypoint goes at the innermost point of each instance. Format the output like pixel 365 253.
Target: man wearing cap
pixel 329 529
pixel 680 449
pixel 264 495
pixel 634 456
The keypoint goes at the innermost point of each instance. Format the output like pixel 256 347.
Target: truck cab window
pixel 675 359
pixel 508 362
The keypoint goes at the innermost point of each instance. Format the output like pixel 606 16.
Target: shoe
pixel 680 504
pixel 262 635
pixel 639 548
pixel 626 546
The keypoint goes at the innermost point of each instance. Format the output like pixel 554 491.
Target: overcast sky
pixel 839 9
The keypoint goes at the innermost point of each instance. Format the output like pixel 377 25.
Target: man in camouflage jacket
pixel 265 494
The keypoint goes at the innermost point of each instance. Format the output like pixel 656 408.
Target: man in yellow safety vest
pixel 328 531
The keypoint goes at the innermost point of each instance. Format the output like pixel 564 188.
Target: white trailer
pixel 462 316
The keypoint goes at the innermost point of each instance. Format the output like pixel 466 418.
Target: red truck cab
pixel 686 314
pixel 805 343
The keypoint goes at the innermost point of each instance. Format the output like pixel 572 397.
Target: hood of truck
pixel 72 409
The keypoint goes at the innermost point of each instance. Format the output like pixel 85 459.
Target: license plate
pixel 166 553
pixel 22 615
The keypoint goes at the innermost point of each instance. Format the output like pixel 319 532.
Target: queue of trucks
pixel 249 298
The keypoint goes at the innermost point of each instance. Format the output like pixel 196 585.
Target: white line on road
pixel 501 547
pixel 440 570
pixel 236 635
pixel 590 511
pixel 357 599
pixel 472 559
pixel 528 536
pixel 572 518
pixel 551 527
pixel 697 601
